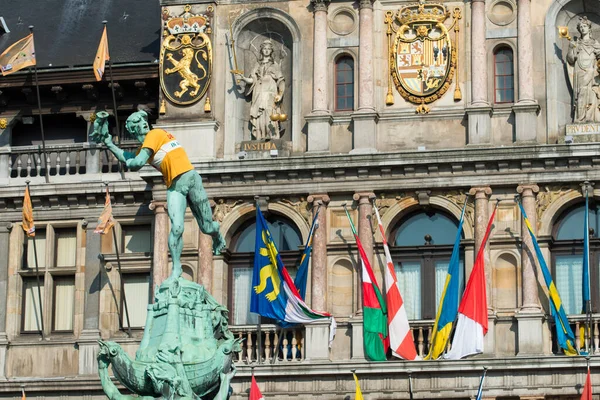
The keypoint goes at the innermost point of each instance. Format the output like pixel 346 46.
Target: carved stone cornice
pixel 320 5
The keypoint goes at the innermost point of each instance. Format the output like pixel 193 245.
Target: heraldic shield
pixel 422 55
pixel 186 58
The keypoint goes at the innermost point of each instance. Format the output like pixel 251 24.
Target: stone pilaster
pixel 319 254
pixel 319 121
pixel 527 107
pixel 88 346
pixel 5 230
pixel 365 119
pixel 530 316
pixel 205 264
pixel 479 111
pixel 160 257
pixel 92 159
pixel 482 195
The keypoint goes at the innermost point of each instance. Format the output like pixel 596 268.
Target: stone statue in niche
pixel 583 57
pixel 266 84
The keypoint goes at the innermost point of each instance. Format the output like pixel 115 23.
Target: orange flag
pixel 101 56
pixel 23 397
pixel 587 389
pixel 28 224
pixel 106 221
pixel 18 56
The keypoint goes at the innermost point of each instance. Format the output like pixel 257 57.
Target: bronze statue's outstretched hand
pixel 100 134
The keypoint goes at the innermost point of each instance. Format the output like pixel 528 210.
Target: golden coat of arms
pixel 422 56
pixel 185 57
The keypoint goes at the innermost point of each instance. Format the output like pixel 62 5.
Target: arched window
pixel 567 257
pixel 504 76
pixel 287 238
pixel 344 84
pixel 423 243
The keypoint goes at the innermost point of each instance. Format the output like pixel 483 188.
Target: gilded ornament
pixel 186 57
pixel 3 123
pixel 92 117
pixel 422 56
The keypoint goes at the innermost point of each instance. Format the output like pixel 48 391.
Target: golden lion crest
pixel 186 57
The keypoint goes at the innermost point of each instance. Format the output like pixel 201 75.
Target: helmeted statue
pixel 266 84
pixel 583 57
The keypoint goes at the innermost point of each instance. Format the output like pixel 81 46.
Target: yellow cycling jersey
pixel 167 155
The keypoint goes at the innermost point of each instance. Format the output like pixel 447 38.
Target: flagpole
pixel 39 101
pixel 588 306
pixel 258 324
pixel 410 389
pixel 114 234
pixel 114 99
pixel 37 277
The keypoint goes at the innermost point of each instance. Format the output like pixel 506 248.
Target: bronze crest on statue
pixel 422 56
pixel 186 57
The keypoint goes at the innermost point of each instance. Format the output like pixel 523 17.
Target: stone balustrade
pixel 583 339
pixel 62 160
pixel 291 344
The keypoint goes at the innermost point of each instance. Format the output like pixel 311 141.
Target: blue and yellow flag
pixel 302 274
pixel 267 299
pixel 564 334
pixel 448 308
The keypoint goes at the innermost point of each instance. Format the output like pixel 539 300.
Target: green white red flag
pixel 375 333
pixel 400 335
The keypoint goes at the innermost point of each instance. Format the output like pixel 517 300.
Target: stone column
pixel 479 111
pixel 317 335
pixel 365 119
pixel 482 194
pixel 319 254
pixel 529 317
pixel 92 155
pixel 88 346
pixel 527 107
pixel 205 264
pixel 5 230
pixel 160 254
pixel 365 228
pixel 319 120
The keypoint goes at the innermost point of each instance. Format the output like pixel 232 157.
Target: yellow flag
pixel 101 56
pixel 358 395
pixel 28 224
pixel 18 56
pixel 106 221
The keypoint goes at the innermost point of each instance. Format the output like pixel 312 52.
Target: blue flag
pixel 586 257
pixel 267 298
pixel 564 334
pixel 448 308
pixel 302 274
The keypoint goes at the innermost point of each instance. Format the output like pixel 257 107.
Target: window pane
pixel 409 281
pixel 510 95
pixel 137 288
pixel 569 275
pixel 340 90
pixel 499 83
pixel 64 303
pixel 137 239
pixel 441 272
pixel 31 309
pixel 413 230
pixel 40 242
pixel 242 284
pixel 66 247
pixel 571 226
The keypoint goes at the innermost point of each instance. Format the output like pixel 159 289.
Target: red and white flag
pixel 255 393
pixel 401 338
pixel 587 389
pixel 472 313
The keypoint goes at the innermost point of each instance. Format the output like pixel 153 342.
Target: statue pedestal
pixel 358 346
pixel 365 132
pixel 530 333
pixel 480 125
pixel 264 148
pixel 317 341
pixel 88 351
pixel 582 133
pixel 199 139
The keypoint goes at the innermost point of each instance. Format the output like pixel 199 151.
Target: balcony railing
pixel 291 344
pixel 579 325
pixel 61 160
